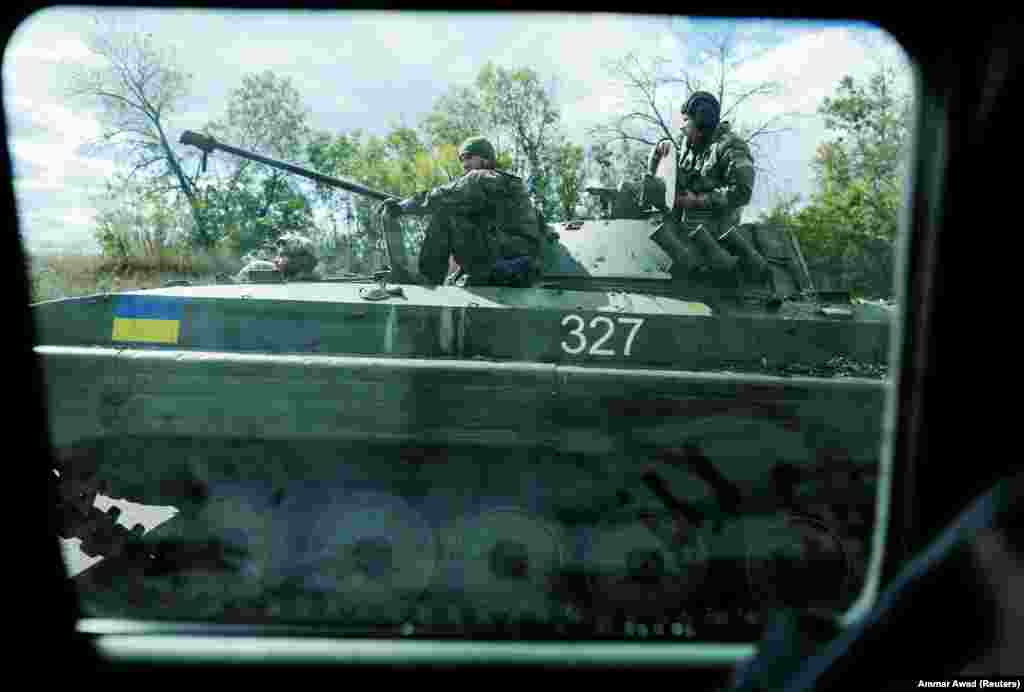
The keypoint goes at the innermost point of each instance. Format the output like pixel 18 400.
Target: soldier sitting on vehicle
pixel 702 193
pixel 485 220
pixel 715 177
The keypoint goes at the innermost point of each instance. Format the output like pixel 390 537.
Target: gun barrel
pixel 208 144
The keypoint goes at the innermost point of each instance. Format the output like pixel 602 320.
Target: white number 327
pixel 599 335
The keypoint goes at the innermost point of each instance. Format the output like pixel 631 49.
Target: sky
pixel 362 70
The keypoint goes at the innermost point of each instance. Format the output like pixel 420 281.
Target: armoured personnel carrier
pixel 663 437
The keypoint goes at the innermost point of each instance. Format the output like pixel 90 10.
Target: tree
pixel 517 112
pixel 249 204
pixel 511 107
pixel 136 90
pixel 456 116
pixel 570 172
pixel 399 163
pixel 652 86
pixel 849 227
pixel 873 124
pixel 648 118
pixel 516 101
pixel 137 223
pixel 267 115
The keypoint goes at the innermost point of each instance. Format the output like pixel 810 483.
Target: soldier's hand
pixel 663 148
pixel 688 200
pixel 391 207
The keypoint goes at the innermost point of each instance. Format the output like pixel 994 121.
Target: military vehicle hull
pixel 648 442
pixel 557 423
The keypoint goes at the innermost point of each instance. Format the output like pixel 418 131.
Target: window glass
pixel 473 325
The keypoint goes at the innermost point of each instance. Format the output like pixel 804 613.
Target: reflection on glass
pixel 626 380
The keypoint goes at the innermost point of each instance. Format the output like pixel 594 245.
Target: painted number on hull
pixel 598 337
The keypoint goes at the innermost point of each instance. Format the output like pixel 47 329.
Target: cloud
pixel 64 41
pixel 55 121
pixel 810 67
pixel 367 70
pixel 44 224
pixel 61 49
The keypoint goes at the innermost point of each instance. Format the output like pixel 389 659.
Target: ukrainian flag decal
pixel 149 319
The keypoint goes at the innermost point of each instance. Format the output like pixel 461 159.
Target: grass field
pixel 66 275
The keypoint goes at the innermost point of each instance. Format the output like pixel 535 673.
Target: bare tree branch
pixel 762 89
pixel 137 86
pixel 143 165
pixel 706 62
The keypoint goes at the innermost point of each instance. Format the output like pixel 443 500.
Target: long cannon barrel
pixel 208 144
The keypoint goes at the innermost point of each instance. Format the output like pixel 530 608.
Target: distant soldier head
pixel 701 114
pixel 259 271
pixel 476 153
pixel 295 256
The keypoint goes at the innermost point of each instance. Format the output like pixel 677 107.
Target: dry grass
pixel 67 275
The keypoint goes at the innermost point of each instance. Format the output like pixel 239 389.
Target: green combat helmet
pixel 290 257
pixel 479 146
pixel 295 258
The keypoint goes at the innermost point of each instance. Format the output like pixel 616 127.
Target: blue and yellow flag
pixel 149 319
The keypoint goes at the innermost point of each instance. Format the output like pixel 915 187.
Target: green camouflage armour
pixel 723 169
pixel 483 218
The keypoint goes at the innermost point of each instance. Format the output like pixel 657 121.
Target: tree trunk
pixel 185 185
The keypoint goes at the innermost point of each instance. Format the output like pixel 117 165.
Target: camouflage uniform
pixel 487 221
pixel 722 169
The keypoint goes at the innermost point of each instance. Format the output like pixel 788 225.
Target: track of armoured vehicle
pixel 650 442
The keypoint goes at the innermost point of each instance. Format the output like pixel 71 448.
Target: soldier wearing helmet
pixel 295 258
pixel 715 175
pixel 485 220
pixel 291 257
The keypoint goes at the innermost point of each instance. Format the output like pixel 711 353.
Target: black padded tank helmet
pixel 703 109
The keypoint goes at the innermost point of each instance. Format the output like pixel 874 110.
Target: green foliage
pixel 517 112
pixel 246 205
pixel 398 163
pixel 265 115
pixel 544 190
pixel 848 229
pixel 569 161
pixel 610 164
pixel 456 116
pixel 236 206
pixel 517 102
pixel 873 124
pixel 139 222
pixel 782 213
pixel 249 214
pixel 510 107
